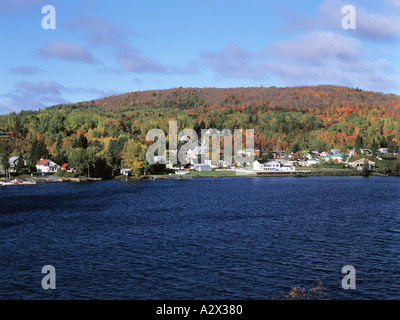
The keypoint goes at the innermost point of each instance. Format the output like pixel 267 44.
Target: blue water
pixel 208 238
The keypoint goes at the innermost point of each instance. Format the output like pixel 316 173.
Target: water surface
pixel 208 238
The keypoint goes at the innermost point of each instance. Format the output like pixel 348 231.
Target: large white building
pixel 273 166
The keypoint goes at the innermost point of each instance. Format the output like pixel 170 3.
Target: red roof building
pixel 47 166
pixel 64 166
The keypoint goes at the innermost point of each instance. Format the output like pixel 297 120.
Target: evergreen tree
pixel 295 148
pixel 81 142
pixel 37 151
pixel 358 144
pixel 20 163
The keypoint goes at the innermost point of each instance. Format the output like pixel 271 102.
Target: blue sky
pixel 100 48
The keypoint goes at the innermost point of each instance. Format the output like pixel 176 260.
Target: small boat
pixel 28 182
pixel 8 183
pixel 17 182
pixel 182 172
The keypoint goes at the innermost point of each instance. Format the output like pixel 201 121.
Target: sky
pixel 101 48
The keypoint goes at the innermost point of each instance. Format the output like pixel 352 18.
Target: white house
pixel 258 165
pixel 312 155
pixel 288 168
pixel 360 163
pixel 382 150
pixel 273 166
pixel 47 166
pixel 201 167
pixel 312 161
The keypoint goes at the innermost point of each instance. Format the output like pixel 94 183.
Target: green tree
pixel 374 148
pixel 134 157
pixel 81 142
pixel 366 172
pixel 295 148
pixel 79 160
pixel 4 156
pixel 358 144
pixel 114 151
pixel 37 150
pixel 20 163
pixel 267 156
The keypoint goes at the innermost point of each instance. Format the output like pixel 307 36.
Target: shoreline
pixel 252 175
pixel 208 174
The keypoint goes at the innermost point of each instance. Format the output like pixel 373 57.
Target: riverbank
pixel 310 172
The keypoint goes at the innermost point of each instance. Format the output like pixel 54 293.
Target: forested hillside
pixel 103 133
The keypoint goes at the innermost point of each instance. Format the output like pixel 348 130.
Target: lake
pixel 207 238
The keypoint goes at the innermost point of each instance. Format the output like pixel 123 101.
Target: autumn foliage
pixel 310 118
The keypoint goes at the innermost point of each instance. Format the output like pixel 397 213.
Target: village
pixel 198 161
pixel 266 163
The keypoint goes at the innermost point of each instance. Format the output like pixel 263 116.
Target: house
pixel 249 152
pixel 13 161
pixel 47 166
pixel 312 155
pixel 382 150
pixel 278 154
pixel 67 167
pixel 310 162
pixel 302 163
pixel 272 165
pixel 359 164
pixel 366 151
pixel 258 165
pixel 201 167
pixel 335 151
pixel 288 168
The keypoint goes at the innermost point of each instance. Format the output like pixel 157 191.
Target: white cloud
pixel 65 51
pixel 310 59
